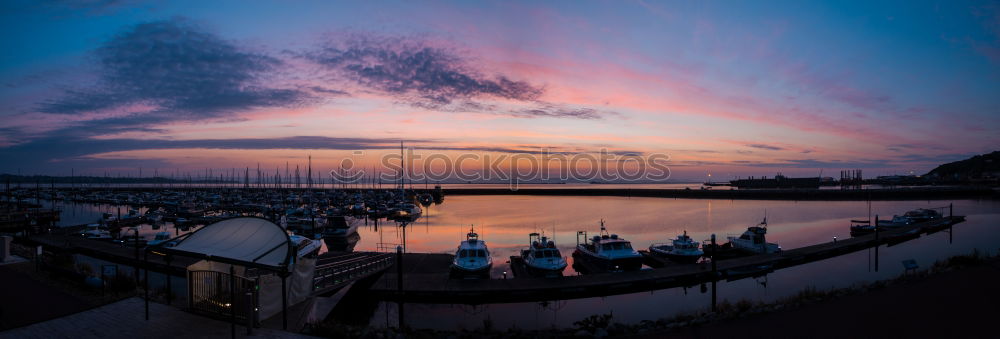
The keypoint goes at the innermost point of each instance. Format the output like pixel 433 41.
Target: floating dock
pixel 425 277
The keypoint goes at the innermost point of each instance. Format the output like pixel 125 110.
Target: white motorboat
pixel 160 238
pixel 607 252
pixel 910 217
pixel 472 258
pixel 683 249
pixel 97 232
pixel 338 226
pixel 542 257
pixel 305 247
pixel 753 240
pixel 408 211
pixel 923 214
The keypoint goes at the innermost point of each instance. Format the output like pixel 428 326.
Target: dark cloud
pixel 765 147
pixel 181 71
pixel 420 73
pixel 72 149
pixel 324 90
pixel 434 78
pixel 556 111
pixel 538 109
pixel 934 159
pixel 814 163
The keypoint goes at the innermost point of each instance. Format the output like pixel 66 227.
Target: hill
pixel 986 166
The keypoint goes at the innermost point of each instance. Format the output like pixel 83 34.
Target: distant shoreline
pixel 912 193
pixel 905 193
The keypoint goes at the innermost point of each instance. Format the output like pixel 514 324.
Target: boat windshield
pixel 617 246
pixel 472 254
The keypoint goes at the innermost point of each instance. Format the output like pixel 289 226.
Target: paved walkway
pixel 26 300
pixel 126 319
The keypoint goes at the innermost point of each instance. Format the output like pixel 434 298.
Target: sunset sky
pixel 723 87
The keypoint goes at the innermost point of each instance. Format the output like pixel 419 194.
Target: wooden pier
pixel 425 277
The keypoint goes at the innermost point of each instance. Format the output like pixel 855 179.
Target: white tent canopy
pixel 246 240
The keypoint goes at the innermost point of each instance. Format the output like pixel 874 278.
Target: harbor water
pixel 504 222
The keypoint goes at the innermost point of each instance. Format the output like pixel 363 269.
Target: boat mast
pixel 402 168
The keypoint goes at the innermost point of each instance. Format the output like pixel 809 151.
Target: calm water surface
pixel 505 221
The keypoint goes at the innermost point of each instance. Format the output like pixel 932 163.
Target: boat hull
pixel 585 262
pixel 724 251
pixel 682 259
pixel 542 271
pixel 460 272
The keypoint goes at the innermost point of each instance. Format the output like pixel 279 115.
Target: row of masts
pixel 233 178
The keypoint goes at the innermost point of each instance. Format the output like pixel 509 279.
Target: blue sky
pixel 734 87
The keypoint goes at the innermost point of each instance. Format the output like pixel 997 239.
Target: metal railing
pixel 342 272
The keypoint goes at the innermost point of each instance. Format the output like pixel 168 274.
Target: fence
pixel 211 294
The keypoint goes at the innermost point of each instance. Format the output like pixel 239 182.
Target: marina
pixel 426 275
pixel 435 286
pixel 584 169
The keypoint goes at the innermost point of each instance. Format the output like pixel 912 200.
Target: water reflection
pixel 508 220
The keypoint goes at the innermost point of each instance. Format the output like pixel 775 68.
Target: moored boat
pixel 472 259
pixel 606 252
pixel 304 247
pixel 683 249
pixel 542 258
pixel 407 212
pixel 753 240
pixel 338 226
pixel 910 217
pixel 97 232
pixel 861 227
pixel 160 238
